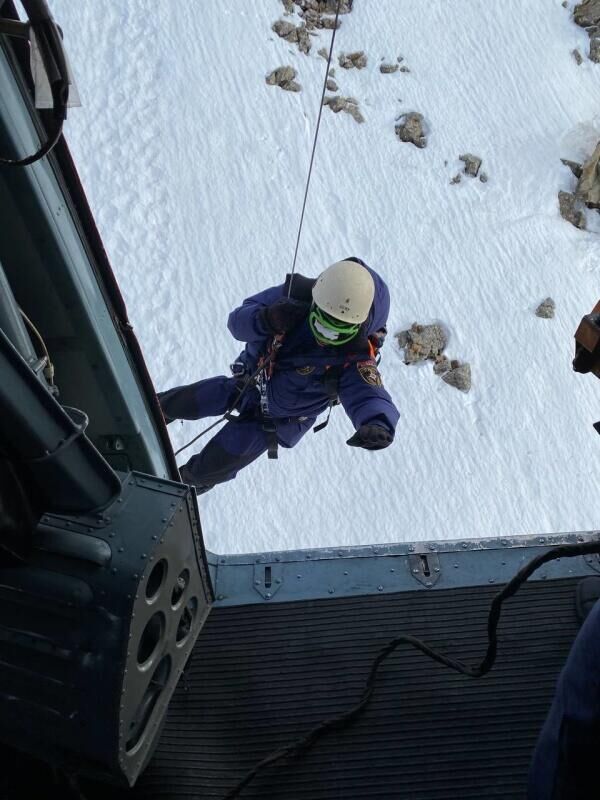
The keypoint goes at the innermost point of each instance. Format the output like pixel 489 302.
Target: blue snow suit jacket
pixel 297 388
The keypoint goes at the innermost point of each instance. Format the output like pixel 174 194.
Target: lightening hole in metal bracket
pixel 268 579
pixel 150 638
pixel 425 565
pixel 180 587
pixel 156 580
pixel 186 621
pixel 139 722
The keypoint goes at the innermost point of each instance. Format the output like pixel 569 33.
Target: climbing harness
pixel 347 718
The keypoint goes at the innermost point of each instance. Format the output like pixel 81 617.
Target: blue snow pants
pixel 564 765
pixel 238 442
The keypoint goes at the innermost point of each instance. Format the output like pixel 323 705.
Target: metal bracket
pixel 267 579
pixel 593 561
pixel 425 568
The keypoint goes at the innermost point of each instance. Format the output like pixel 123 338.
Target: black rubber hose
pixel 51 49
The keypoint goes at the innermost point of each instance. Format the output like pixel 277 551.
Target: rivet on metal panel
pixel 345 573
pixel 504 542
pixel 112 534
pixel 277 580
pixel 221 561
pixel 154 538
pixel 277 558
pixel 375 551
pixel 121 549
pixel 464 545
pixel 503 563
pixel 268 595
pixel 392 570
pixel 143 556
pixel 257 582
pixel 541 540
pixel 220 597
pixel 411 548
pixel 432 548
pixel 429 584
pixel 309 555
pixel 491 580
pixel 380 588
pixel 135 576
pixel 299 577
pixel 340 553
pixel 258 560
pixel 415 571
pixel 164 519
pixel 580 538
pixel 331 591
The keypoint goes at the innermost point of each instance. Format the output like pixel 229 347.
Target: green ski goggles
pixel 329 330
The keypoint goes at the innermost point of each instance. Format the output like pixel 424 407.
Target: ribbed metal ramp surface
pixel 261 676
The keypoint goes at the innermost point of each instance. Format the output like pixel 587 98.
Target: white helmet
pixel 345 290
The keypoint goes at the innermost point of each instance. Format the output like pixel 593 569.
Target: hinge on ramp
pixel 267 579
pixel 425 568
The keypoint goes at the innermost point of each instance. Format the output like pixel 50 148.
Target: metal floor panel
pixel 261 676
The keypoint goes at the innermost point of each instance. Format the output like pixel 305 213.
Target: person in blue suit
pixel 327 332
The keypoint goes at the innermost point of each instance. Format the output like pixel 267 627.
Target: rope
pixel 344 720
pixel 314 147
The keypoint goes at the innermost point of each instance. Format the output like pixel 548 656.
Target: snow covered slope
pixel 195 170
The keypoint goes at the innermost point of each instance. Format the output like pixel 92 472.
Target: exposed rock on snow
pixel 595 48
pixel 574 166
pixel 297 35
pixel 472 164
pixel 284 78
pixel 321 13
pixel 441 364
pixel 587 13
pixel 347 104
pixel 456 179
pixel 588 188
pixel 331 85
pixel 577 56
pixel 388 69
pixel 356 60
pixel 546 309
pixel 410 128
pixel 459 377
pixel 288 6
pixel 422 342
pixel 568 210
pixel 324 53
pixel 324 6
pixel 483 177
pixel 404 69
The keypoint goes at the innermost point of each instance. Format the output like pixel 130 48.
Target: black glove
pixel 284 314
pixel 371 437
pixel 584 360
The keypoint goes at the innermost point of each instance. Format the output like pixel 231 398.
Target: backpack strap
pixel 301 287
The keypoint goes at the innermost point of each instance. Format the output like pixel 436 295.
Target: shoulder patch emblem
pixel 369 373
pixel 305 370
